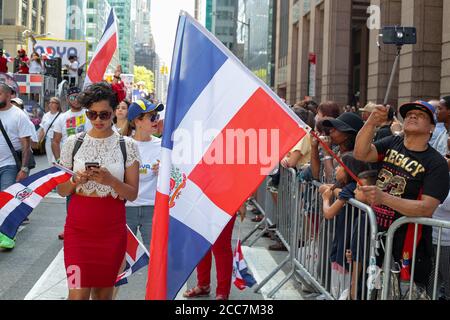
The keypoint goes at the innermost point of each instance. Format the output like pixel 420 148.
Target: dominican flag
pixel 241 278
pixel 136 255
pixel 205 175
pixel 17 201
pixel 9 58
pixel 104 53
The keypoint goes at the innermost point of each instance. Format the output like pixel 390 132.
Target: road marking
pixel 180 293
pixel 52 285
pixel 260 263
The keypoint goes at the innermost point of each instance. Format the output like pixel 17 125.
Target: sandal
pixel 258 218
pixel 221 297
pixel 197 292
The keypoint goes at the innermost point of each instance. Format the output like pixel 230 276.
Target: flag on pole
pixel 136 256
pixel 204 178
pixel 241 278
pixel 104 53
pixel 19 200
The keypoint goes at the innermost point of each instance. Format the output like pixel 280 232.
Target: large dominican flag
pixel 19 200
pixel 104 53
pixel 205 176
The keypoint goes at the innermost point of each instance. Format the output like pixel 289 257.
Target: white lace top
pixel 106 152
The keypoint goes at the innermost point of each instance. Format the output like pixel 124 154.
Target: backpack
pixel 80 140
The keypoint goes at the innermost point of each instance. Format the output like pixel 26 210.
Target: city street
pixel 34 270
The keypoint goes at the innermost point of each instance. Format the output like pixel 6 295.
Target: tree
pixel 141 73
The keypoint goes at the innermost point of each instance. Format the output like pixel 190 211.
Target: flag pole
pixel 328 149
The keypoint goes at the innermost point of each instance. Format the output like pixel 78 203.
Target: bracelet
pixel 72 181
pixel 327 158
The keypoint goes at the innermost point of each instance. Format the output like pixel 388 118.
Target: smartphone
pixel 89 165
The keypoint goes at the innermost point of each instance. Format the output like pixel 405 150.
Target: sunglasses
pixel 103 115
pixel 153 117
pixel 73 97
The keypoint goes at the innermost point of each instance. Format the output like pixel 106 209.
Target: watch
pixel 25 169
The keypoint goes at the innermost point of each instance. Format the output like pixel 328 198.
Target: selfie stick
pixel 391 80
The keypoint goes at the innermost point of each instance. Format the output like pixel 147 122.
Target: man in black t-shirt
pixel 412 181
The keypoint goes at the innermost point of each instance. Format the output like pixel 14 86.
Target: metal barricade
pixel 265 204
pixel 309 239
pixel 286 207
pixel 322 240
pixel 409 290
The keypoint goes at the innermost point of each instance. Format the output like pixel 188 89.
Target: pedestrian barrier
pixel 337 258
pixel 396 288
pixel 308 238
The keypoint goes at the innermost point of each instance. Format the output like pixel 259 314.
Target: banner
pixel 60 49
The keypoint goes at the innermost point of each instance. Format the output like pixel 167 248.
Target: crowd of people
pixel 114 147
pixel 403 170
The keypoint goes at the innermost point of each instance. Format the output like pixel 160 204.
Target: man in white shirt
pixel 73 70
pixel 16 125
pixel 71 122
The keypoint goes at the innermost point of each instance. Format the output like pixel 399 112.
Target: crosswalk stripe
pixel 52 285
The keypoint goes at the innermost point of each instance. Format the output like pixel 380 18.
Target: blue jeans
pixel 8 175
pixel 141 217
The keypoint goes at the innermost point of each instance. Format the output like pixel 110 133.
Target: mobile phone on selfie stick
pixel 399 36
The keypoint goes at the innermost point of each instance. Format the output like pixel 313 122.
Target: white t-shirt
pixel 74 65
pixel 36 68
pixel 71 123
pixel 17 126
pixel 150 152
pixel 34 137
pixel 47 120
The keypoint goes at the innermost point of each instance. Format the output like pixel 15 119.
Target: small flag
pixel 136 255
pixel 8 57
pixel 19 200
pixel 241 278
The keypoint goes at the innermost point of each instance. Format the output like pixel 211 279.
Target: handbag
pixel 40 148
pixel 17 154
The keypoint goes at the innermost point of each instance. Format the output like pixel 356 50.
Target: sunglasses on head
pixel 103 115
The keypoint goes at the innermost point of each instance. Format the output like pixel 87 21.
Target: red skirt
pixel 95 240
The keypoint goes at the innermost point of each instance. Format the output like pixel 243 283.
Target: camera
pixel 399 35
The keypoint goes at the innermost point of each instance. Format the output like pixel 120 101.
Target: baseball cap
pixel 73 90
pixel 142 106
pixel 418 105
pixel 17 101
pixel 446 101
pixel 370 107
pixel 348 122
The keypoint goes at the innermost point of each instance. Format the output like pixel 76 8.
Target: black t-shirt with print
pixel 409 175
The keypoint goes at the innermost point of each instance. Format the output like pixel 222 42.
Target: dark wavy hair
pixel 97 92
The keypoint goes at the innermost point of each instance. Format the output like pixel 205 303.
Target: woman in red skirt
pixel 106 176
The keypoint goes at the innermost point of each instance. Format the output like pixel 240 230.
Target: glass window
pixel 34 23
pixel 24 13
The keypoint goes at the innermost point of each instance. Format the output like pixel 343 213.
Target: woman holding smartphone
pixel 106 175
